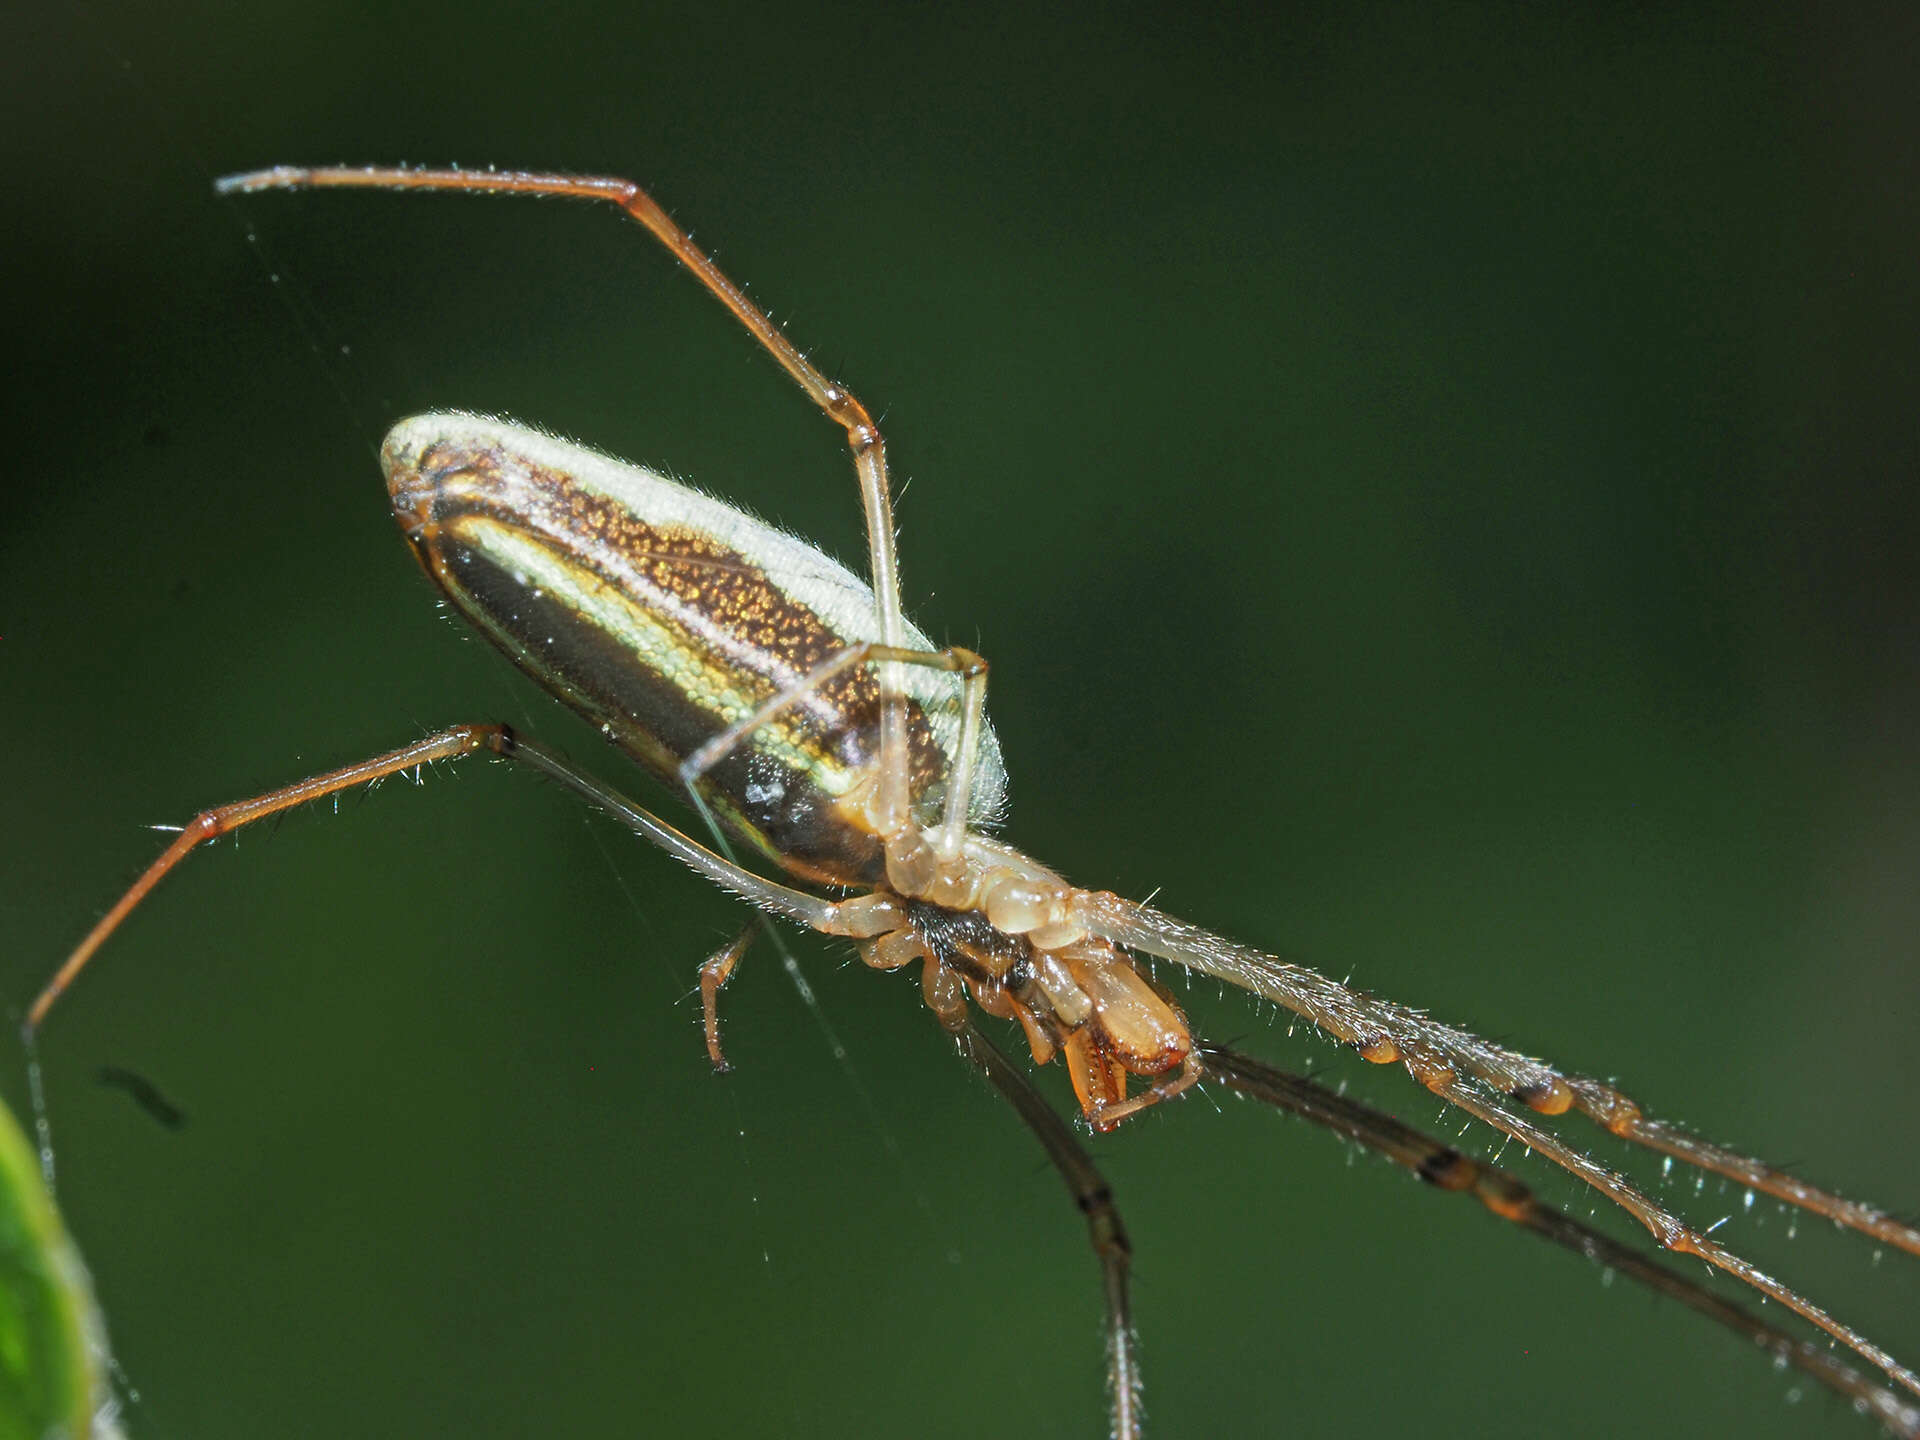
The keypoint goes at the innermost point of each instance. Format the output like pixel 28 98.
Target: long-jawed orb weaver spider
pixel 808 721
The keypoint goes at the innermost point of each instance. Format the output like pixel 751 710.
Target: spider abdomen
pixel 666 617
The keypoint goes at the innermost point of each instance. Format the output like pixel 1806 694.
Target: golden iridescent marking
pixel 668 618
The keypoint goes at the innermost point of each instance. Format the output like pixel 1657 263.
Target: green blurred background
pixel 1437 486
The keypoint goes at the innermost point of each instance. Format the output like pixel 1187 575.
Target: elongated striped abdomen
pixel 667 616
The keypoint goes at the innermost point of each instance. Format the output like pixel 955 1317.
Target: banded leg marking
pixel 1507 1197
pixel 1094 1199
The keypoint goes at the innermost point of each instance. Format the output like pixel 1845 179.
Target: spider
pixel 822 735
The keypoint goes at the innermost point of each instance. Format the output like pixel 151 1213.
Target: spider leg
pixel 1667 1229
pixel 1094 1197
pixel 1617 1113
pixel 1457 1066
pixel 714 973
pixel 893 802
pixel 449 744
pixel 910 863
pixel 1383 1032
pixel 1502 1194
pixel 858 917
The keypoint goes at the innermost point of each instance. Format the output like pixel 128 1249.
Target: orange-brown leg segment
pixel 717 970
pixel 449 744
pixel 1164 1087
pixel 1502 1194
pixel 848 917
pixel 1100 1081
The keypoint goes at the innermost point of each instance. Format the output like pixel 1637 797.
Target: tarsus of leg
pixel 1382 1029
pixel 1094 1197
pixel 1504 1195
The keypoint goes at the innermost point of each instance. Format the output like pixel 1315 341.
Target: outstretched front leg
pixel 860 917
pixel 1483 1078
pixel 1437 1054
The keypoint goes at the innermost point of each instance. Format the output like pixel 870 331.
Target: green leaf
pixel 53 1345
